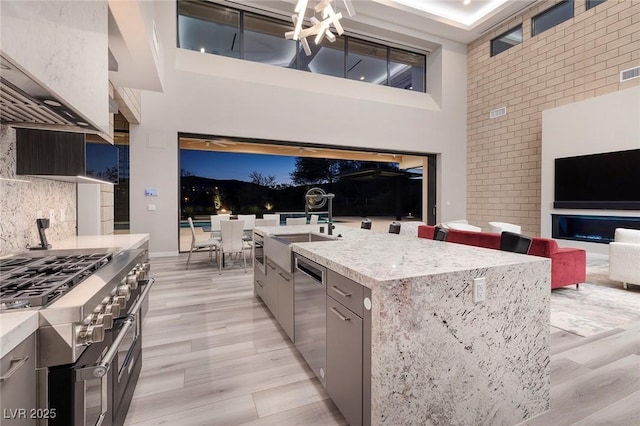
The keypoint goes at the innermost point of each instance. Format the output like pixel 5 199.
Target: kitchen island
pixel 436 356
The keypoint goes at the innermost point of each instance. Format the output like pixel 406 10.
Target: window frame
pixel 548 11
pixel 593 3
pixel 345 37
pixel 491 49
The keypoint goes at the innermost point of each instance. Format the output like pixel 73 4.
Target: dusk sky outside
pixel 232 165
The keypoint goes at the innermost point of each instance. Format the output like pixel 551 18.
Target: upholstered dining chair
pixel 516 243
pixel 231 232
pixel 296 221
pixel 440 234
pixel 208 244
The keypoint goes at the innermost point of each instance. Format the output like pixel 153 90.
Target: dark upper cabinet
pixel 64 156
pixel 51 154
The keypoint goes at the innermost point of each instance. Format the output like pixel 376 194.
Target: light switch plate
pixel 151 207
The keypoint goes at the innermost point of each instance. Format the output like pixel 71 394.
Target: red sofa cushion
pixel 568 265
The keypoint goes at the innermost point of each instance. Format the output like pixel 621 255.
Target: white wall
pixel 216 95
pixel 603 124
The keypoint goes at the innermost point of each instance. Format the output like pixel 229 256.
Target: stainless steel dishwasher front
pixel 309 280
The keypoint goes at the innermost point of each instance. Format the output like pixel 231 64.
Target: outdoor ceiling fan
pixel 222 144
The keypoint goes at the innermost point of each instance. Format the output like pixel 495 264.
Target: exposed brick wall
pixel 578 59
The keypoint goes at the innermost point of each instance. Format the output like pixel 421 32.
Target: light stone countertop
pixel 370 258
pixel 18 325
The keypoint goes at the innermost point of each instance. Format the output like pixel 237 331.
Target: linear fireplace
pixel 592 229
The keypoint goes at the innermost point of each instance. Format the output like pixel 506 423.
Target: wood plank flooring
pixel 213 355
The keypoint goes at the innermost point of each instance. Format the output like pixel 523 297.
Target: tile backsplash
pixel 23 197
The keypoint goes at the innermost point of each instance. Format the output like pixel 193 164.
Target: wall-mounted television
pixel 608 181
pixel 102 161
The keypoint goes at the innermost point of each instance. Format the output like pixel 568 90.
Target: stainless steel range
pixel 90 305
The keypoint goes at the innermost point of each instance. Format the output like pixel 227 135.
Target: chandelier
pixel 319 28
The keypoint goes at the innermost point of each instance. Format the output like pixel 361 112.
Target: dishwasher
pixel 309 280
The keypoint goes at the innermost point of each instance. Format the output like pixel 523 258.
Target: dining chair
pixel 249 221
pixel 266 222
pixel 272 216
pixel 516 243
pixel 215 222
pixel 296 221
pixel 440 234
pixel 209 244
pixel 231 232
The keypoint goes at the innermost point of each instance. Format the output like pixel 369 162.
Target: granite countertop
pixel 16 326
pixel 371 257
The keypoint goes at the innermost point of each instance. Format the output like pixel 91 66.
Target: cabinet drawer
pixel 345 291
pixel 18 390
pixel 259 280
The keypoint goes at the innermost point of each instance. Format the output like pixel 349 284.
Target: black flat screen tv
pixel 608 181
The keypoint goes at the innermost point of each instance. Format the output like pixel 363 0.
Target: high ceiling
pixel 451 19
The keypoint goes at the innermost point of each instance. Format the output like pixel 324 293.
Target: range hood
pixel 54 155
pixel 26 103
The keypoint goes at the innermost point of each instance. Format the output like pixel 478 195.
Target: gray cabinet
pixel 275 288
pixel 271 288
pixel 348 375
pixel 285 301
pixel 344 360
pixel 18 385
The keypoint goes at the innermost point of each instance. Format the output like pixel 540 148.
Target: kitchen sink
pixel 277 247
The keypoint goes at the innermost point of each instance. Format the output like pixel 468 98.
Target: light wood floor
pixel 213 355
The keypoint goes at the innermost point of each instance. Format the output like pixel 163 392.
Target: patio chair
pixel 215 222
pixel 296 221
pixel 272 216
pixel 232 242
pixel 313 219
pixel 209 244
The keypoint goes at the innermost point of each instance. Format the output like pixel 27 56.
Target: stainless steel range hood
pixel 26 103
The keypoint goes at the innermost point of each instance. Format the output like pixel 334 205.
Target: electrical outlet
pixel 479 289
pixel 52 215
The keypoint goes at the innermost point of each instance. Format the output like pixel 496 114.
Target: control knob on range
pixel 124 290
pixel 103 318
pixel 132 279
pixel 112 307
pixel 90 333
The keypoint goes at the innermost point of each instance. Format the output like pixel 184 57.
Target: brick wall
pixel 578 59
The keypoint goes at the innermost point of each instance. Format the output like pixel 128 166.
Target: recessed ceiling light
pixel 202 50
pixel 81 123
pixel 52 102
pixel 466 2
pixel 362 78
pixel 410 87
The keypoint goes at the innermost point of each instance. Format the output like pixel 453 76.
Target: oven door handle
pixel 100 369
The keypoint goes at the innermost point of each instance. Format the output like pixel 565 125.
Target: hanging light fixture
pixel 319 28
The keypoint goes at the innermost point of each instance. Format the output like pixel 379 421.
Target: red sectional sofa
pixel 568 265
